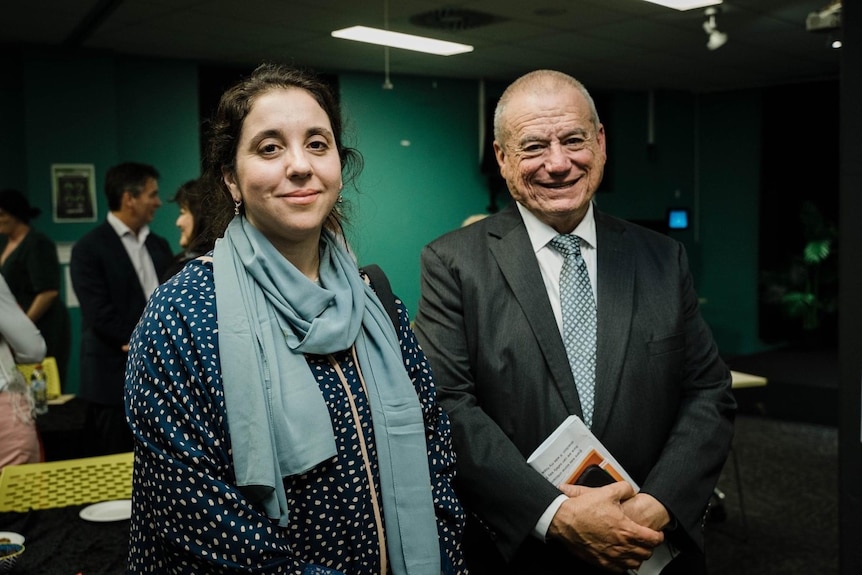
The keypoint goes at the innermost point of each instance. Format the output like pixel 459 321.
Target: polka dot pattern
pixel 188 515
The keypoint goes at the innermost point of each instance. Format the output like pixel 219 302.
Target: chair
pixel 67 482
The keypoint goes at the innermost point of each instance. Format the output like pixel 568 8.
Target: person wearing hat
pixel 29 263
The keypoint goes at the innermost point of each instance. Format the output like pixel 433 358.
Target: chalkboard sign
pixel 74 192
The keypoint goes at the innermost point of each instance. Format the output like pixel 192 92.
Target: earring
pixel 236 206
pixel 340 199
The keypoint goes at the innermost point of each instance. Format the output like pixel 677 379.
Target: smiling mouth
pixel 559 185
pixel 301 197
pixel 301 194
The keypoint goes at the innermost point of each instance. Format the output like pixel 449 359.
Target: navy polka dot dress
pixel 188 516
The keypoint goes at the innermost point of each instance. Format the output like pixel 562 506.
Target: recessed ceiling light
pixel 399 40
pixel 685 4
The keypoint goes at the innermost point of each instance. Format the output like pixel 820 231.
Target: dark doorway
pixel 800 183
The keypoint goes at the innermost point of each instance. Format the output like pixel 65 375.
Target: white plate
pixel 12 537
pixel 107 511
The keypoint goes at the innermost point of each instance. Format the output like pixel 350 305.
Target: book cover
pixel 573 455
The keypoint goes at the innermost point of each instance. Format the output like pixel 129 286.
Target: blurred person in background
pixel 29 263
pixel 20 342
pixel 114 268
pixel 193 222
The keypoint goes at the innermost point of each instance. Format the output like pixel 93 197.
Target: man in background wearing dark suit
pixel 491 323
pixel 114 268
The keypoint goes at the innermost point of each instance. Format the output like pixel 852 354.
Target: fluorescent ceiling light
pixel 399 40
pixel 685 4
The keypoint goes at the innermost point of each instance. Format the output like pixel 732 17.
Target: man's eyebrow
pixel 529 139
pixel 577 132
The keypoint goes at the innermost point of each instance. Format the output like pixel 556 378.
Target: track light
pixel 716 38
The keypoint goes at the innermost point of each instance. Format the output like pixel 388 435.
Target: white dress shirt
pixel 550 264
pixel 551 261
pixel 138 254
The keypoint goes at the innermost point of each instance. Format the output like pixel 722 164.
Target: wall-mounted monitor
pixel 677 219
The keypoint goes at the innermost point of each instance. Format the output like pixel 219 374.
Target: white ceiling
pixel 608 44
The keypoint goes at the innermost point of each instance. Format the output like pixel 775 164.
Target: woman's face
pixel 8 222
pixel 186 223
pixel 288 172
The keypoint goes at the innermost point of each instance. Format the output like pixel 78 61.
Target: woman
pixel 192 222
pixel 28 261
pixel 281 424
pixel 20 341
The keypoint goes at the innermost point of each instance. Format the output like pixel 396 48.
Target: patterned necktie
pixel 579 320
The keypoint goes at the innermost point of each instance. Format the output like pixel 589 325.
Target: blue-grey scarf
pixel 269 316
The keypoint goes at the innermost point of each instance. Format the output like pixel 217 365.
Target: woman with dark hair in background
pixel 192 223
pixel 29 262
pixel 281 424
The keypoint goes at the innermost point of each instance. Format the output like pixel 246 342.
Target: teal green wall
pixel 705 157
pixel 646 179
pixel 102 111
pixel 12 127
pixel 410 194
pixel 729 142
pixel 421 178
pixel 98 110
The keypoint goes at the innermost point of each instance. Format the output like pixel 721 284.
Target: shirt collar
pixel 541 233
pixel 122 229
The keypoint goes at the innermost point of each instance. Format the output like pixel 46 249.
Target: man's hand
pixel 593 526
pixel 646 510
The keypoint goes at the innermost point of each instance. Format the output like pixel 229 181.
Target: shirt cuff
pixel 540 531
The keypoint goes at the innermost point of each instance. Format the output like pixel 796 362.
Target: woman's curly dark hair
pixel 194 197
pixel 226 126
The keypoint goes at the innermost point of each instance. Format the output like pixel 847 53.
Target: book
pixel 573 455
pixel 570 450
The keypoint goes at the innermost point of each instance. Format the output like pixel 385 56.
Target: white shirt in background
pixel 138 254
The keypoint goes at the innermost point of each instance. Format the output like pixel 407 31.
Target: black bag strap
pixel 380 285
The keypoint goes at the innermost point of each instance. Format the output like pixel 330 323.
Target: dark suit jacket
pixel 663 407
pixel 111 300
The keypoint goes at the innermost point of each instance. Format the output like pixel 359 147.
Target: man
pixel 114 268
pixel 491 321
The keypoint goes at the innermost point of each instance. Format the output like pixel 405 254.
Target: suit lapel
pixel 510 245
pixel 616 281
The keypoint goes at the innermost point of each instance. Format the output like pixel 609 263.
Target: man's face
pixel 144 205
pixel 552 156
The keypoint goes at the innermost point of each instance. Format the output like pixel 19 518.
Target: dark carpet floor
pixel 780 484
pixel 788 475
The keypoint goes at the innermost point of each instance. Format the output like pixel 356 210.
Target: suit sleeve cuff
pixel 540 531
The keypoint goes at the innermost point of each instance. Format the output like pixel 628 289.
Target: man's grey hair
pixel 538 81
